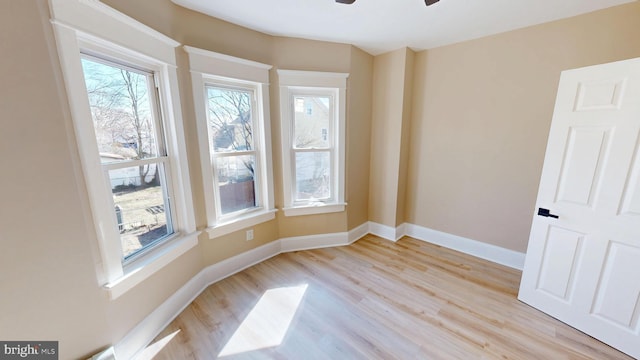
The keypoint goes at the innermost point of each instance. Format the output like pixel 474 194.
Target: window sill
pixel 240 223
pixel 318 208
pixel 150 264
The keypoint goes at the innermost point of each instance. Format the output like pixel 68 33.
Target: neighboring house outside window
pixel 232 114
pixel 313 141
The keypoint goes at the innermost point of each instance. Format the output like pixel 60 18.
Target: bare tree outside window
pixel 122 103
pixel 120 106
pixel 229 116
pixel 230 108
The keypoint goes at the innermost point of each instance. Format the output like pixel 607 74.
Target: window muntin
pixel 234 159
pixel 126 120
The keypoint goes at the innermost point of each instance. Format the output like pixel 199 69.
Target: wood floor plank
pixel 374 299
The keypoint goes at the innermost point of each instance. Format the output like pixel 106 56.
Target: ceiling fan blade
pixel 427 2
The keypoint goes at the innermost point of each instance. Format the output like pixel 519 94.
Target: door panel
pixel 618 295
pixel 586 151
pixel 584 266
pixel 631 199
pixel 561 256
pixel 600 95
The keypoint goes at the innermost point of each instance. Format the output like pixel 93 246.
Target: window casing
pixel 231 99
pixel 113 156
pixel 312 106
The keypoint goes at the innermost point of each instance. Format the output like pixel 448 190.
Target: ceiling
pixel 379 26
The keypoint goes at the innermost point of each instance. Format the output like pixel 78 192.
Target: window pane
pixel 121 110
pixel 311 123
pixel 229 117
pixel 236 183
pixel 141 209
pixel 313 175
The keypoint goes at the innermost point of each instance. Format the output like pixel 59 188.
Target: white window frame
pixel 211 68
pixel 90 26
pixel 104 55
pixel 334 85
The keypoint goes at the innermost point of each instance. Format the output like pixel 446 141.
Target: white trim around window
pixel 300 90
pixel 211 70
pixel 90 26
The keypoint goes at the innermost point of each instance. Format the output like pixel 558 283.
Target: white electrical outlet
pixel 249 234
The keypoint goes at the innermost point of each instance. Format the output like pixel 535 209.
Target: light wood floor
pixel 372 300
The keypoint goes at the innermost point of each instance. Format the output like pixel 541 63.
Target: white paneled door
pixel 583 261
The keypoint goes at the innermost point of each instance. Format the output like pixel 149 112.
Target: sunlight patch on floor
pixel 154 349
pixel 268 322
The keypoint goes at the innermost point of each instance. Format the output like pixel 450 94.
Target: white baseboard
pixel 299 243
pixel 141 336
pixel 309 242
pixel 510 258
pixel 384 231
pixel 358 232
pixel 235 264
pixel 472 247
pixel 401 231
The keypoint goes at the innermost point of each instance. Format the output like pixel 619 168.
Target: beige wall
pixel 481 117
pixel 359 109
pixel 300 54
pixel 392 74
pixel 403 165
pixel 198 30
